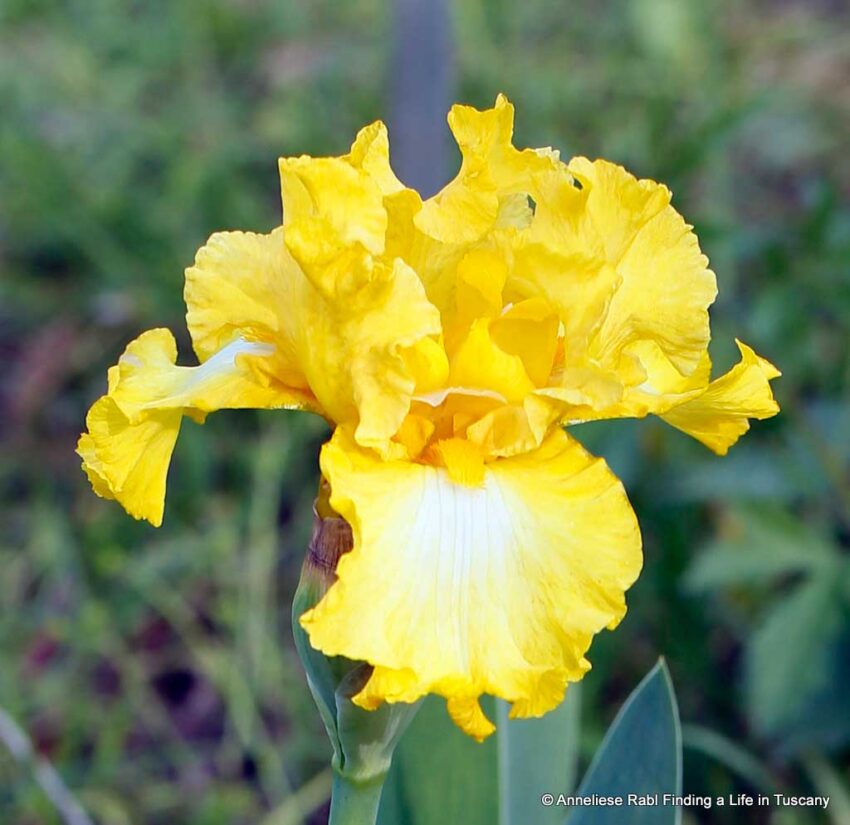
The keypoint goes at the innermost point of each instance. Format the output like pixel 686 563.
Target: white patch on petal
pixel 221 364
pixel 225 358
pixel 462 536
pixel 435 398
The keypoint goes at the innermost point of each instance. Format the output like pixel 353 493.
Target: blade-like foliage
pixel 537 756
pixel 641 754
pixel 441 776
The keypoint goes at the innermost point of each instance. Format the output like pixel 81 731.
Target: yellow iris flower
pixel 449 341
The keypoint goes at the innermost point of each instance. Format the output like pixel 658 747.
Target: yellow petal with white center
pixel 132 430
pixel 462 591
pixel 720 415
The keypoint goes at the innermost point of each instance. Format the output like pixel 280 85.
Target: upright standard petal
pixel 494 587
pixel 334 212
pixel 625 271
pixel 132 430
pixel 366 353
pixel 353 353
pixel 368 338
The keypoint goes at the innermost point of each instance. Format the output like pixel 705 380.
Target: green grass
pixel 155 669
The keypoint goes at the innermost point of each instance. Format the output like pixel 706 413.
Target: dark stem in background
pixel 423 82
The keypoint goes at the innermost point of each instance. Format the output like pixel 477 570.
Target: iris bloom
pixel 449 341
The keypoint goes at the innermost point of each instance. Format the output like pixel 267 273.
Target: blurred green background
pixel 154 670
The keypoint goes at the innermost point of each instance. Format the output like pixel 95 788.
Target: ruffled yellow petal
pixel 334 221
pixel 345 198
pixel 366 354
pixel 92 466
pixel 504 431
pixel 132 430
pixel 720 415
pixel 353 355
pixel 481 274
pixel 625 272
pixel 459 214
pixel 334 212
pixel 466 713
pixel 492 187
pixel 463 460
pixel 367 336
pixel 464 590
pixel 465 209
pixel 370 152
pixel 485 141
pixel 244 285
pixel 146 378
pixel 663 284
pixel 129 461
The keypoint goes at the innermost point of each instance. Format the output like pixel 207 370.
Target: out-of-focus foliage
pixel 797 651
pixel 155 669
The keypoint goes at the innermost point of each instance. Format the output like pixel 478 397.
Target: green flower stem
pixel 363 740
pixel 355 803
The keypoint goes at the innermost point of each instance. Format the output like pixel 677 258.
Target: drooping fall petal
pixel 463 590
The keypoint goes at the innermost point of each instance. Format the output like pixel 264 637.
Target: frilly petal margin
pixel 132 430
pixel 465 590
pixel 354 353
